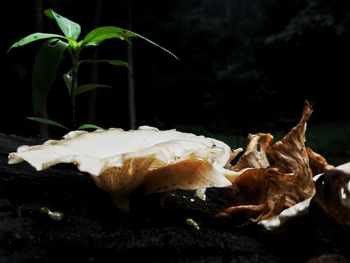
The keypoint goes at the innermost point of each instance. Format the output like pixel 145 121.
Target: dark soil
pixel 92 230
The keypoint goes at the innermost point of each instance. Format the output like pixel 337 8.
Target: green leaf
pixel 89 126
pixel 34 37
pixel 98 35
pixel 87 87
pixel 47 121
pixel 109 61
pixel 68 27
pixel 155 44
pixel 118 63
pixel 45 68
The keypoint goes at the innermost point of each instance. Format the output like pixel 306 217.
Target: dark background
pixel 244 66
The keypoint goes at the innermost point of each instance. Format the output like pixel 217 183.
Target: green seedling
pixel 50 56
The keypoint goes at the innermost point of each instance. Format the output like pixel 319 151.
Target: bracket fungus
pixel 122 161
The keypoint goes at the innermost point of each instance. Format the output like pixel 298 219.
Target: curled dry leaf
pixel 318 163
pixel 332 198
pixel 122 161
pixel 255 153
pixel 266 190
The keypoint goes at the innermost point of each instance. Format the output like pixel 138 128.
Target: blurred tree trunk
pixel 94 68
pixel 228 10
pixel 44 131
pixel 131 76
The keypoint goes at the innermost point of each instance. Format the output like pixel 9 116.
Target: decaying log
pixel 59 215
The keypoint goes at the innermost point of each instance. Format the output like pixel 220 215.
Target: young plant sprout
pixel 50 56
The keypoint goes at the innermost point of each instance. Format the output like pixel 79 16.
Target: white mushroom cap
pixel 120 161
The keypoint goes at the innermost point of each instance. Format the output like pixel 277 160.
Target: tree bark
pixel 131 76
pixel 39 25
pixel 94 68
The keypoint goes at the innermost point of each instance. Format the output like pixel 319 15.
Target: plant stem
pixel 74 86
pixel 75 62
